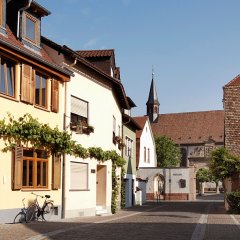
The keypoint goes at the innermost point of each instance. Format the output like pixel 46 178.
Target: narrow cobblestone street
pixel 201 219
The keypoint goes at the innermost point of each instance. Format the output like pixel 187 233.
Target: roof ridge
pixel 89 50
pixel 234 79
pixel 206 111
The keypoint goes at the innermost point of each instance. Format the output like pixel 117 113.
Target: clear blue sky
pixel 194 45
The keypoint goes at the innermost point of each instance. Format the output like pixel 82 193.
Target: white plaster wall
pixel 173 174
pixel 83 202
pixel 102 107
pixel 147 140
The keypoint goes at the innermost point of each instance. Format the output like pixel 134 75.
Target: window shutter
pixel 1 11
pixel 27 84
pixel 17 168
pixel 55 96
pixel 56 172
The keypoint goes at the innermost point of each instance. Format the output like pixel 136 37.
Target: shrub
pixel 233 200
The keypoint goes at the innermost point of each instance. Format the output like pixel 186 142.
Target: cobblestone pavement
pixel 199 220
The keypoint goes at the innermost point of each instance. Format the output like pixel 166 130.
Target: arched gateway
pixel 158 186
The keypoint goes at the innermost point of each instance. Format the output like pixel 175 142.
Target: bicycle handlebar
pixel 46 196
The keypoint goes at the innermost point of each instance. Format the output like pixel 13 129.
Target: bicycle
pixel 21 216
pixel 36 212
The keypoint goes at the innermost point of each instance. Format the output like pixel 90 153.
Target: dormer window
pixel 3 16
pixel 30 29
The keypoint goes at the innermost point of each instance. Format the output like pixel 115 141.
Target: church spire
pixel 153 103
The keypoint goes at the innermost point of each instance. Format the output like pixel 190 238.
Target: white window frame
pixel 129 147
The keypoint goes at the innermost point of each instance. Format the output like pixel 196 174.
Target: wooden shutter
pixel 1 12
pixel 27 84
pixel 55 96
pixel 56 179
pixel 17 168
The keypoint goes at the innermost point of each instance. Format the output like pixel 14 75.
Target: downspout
pixel 64 199
pixel 64 157
pixel 21 10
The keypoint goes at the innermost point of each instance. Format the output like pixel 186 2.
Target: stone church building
pixel 196 133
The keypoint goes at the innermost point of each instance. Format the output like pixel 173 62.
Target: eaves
pixel 38 58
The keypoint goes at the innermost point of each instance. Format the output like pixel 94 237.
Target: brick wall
pixel 232 126
pixel 169 196
pixel 232 118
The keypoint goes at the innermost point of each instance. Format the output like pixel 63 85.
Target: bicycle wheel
pixel 48 211
pixel 31 212
pixel 20 218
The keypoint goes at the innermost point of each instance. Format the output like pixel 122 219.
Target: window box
pixel 118 140
pixel 88 129
pixel 81 127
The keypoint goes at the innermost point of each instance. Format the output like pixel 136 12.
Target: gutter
pixel 21 10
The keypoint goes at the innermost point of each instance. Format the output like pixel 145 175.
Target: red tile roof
pixel 11 39
pixel 235 81
pixel 141 121
pixel 96 53
pixel 191 127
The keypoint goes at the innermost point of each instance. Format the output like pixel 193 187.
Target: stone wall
pixel 232 118
pixel 232 125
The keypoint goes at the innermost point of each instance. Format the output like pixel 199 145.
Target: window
pixel 1 12
pixel 114 130
pixel 114 125
pixel 40 90
pixel 145 157
pixel 148 155
pixel 31 169
pixel 79 112
pixel 128 148
pixel 7 78
pixel 30 29
pixel 34 88
pixel 35 169
pixel 78 176
pixel 3 16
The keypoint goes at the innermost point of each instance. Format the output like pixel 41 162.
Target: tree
pixel 203 175
pixel 168 154
pixel 223 164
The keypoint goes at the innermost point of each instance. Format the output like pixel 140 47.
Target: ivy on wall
pixel 29 132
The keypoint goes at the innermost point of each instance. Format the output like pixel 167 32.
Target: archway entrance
pixel 159 186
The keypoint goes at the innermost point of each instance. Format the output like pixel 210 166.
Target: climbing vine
pixel 27 131
pixel 123 189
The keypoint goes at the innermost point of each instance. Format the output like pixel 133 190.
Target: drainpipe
pixel 64 199
pixel 64 157
pixel 21 10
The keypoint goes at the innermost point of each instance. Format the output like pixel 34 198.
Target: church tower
pixel 152 103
